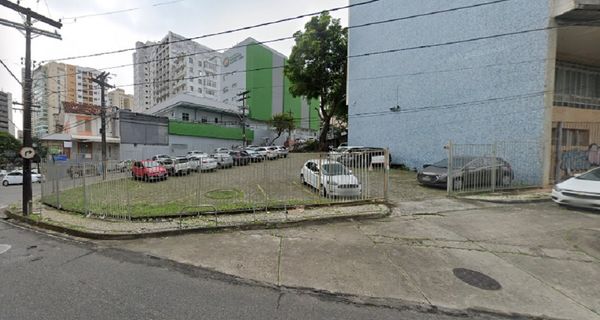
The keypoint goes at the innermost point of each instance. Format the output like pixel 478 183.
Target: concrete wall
pixel 180 145
pixel 567 114
pixel 140 151
pixel 197 115
pixel 473 92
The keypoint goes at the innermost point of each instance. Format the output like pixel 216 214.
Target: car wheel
pixel 146 178
pixel 323 191
pixel 5 183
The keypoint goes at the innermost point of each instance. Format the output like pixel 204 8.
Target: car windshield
pixel 151 164
pixel 457 162
pixel 335 169
pixel 593 175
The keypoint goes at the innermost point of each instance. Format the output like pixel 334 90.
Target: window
pixel 199 90
pixel 234 85
pixel 577 86
pixel 88 125
pixel 204 120
pixel 190 60
pixel 216 120
pixel 572 137
pixel 191 88
pixel 185 116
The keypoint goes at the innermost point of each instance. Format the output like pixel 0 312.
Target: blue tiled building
pixel 504 71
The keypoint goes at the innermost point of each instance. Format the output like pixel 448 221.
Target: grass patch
pixel 221 194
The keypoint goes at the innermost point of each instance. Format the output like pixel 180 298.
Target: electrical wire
pixel 11 73
pixel 258 25
pixel 75 18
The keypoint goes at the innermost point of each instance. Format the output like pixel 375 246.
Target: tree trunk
pixel 323 136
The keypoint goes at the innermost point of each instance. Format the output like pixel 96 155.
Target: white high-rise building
pixel 55 83
pixel 171 66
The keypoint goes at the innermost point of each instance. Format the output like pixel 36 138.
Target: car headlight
pixel 556 188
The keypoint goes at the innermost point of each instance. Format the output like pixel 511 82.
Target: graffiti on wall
pixel 580 160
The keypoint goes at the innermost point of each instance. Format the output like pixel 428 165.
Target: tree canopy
pixel 281 123
pixel 317 68
pixel 9 147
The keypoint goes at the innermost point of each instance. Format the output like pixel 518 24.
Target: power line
pixel 263 24
pixel 158 4
pixel 11 73
pixel 292 37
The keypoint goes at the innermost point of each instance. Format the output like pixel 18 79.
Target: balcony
pixel 580 12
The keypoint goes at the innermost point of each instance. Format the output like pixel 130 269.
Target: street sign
pixel 27 153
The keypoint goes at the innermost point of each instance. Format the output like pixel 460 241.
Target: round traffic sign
pixel 27 152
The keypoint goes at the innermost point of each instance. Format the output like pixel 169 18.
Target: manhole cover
pixel 477 279
pixel 4 248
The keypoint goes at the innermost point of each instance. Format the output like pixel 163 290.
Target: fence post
pixel 557 161
pixel 57 190
pixel 127 199
pixel 85 198
pixel 494 166
pixel 450 178
pixel 386 174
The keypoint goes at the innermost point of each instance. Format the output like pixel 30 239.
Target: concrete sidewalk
pixel 546 259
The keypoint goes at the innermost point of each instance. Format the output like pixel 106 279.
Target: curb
pixel 173 232
pixel 509 201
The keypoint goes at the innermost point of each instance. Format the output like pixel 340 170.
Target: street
pixel 49 278
pixel 13 193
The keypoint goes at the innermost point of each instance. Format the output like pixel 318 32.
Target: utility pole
pixel 101 81
pixel 243 97
pixel 27 152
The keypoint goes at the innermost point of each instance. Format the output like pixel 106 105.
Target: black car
pixel 467 171
pixel 240 158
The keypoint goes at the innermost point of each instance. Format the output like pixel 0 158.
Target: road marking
pixel 4 248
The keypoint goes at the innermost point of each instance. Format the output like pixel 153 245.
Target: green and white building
pixel 252 66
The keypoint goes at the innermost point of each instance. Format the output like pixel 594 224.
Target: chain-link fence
pixel 139 189
pixel 492 167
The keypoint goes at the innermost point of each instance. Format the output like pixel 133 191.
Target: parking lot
pixel 259 186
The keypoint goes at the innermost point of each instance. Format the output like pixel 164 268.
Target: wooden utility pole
pixel 243 97
pixel 101 81
pixel 26 153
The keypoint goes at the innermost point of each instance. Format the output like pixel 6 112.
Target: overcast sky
pixel 121 30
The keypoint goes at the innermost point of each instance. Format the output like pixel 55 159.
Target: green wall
pixel 260 83
pixel 207 130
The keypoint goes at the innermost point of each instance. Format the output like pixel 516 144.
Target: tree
pixel 317 69
pixel 282 122
pixel 9 147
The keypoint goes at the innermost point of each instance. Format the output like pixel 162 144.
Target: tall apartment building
pixel 54 83
pixel 252 66
pixel 174 65
pixel 6 123
pixel 118 98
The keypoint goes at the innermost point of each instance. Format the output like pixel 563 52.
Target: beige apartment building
pixel 118 98
pixel 55 83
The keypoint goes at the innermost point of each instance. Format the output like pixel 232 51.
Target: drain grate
pixel 477 279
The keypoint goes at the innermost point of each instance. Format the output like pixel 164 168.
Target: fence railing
pixel 575 148
pixel 493 167
pixel 250 184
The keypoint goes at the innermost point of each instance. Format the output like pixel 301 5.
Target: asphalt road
pixel 13 193
pixel 44 277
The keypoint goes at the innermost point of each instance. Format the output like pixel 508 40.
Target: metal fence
pixel 492 167
pixel 575 148
pixel 298 179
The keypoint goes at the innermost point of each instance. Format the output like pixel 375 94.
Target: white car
pixel 224 160
pixel 331 178
pixel 579 191
pixel 161 157
pixel 335 154
pixel 267 153
pixel 282 151
pixel 222 150
pixel 205 162
pixel 16 177
pixel 181 166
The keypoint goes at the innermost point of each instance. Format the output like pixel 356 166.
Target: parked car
pixel 240 158
pixel 266 152
pixel 205 162
pixel 361 157
pixel 580 191
pixel 193 162
pixel 335 154
pixel 195 153
pixel 224 160
pixel 168 164
pixel 254 155
pixel 181 166
pixel 161 157
pixel 331 178
pixel 222 150
pixel 124 165
pixel 148 170
pixel 467 172
pixel 282 151
pixel 16 177
pixel 77 170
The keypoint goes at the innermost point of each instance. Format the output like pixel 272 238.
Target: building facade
pixel 174 65
pixel 55 83
pixel 6 122
pixel 257 68
pixel 118 98
pixel 500 72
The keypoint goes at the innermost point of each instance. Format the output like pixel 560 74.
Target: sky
pixel 147 21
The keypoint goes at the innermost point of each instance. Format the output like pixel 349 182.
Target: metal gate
pixel 496 166
pixel 575 148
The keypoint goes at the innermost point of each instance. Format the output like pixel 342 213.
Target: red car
pixel 148 170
